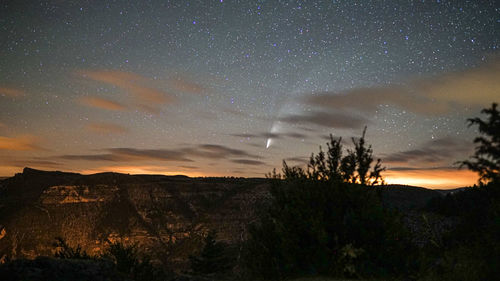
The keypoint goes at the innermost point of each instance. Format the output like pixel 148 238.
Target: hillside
pixel 162 214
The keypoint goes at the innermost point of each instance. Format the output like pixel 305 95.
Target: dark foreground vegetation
pixel 328 219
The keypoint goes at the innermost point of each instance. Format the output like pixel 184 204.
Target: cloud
pixel 33 163
pixel 94 157
pixel 101 103
pixel 299 160
pixel 144 95
pixel 236 112
pixel 440 168
pixel 328 119
pixel 439 151
pixel 437 95
pixel 106 128
pixel 266 135
pixel 129 154
pixel 207 151
pixel 150 154
pixel 183 84
pixel 20 143
pixel 11 92
pixel 189 167
pixel 248 162
pixel 214 151
pixel 142 169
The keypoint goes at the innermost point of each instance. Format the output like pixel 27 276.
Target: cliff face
pixel 165 216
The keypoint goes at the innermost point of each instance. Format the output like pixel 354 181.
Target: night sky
pixel 231 88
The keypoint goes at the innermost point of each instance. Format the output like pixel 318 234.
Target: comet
pixel 269 142
pixel 275 128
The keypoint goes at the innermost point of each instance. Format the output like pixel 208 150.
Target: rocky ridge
pixel 164 215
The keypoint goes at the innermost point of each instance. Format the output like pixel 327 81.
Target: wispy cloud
pixel 20 143
pixel 442 151
pixel 145 96
pixel 101 103
pixel 106 128
pixel 189 167
pixel 131 154
pixel 248 162
pixel 185 85
pixel 125 154
pixel 214 151
pixel 33 163
pixel 266 135
pixel 143 169
pixel 436 95
pixel 11 92
pixel 339 120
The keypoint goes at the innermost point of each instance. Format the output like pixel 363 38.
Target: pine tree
pixel 486 159
pixel 213 259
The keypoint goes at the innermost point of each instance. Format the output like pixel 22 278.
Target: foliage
pixel 472 250
pixel 127 259
pixel 486 160
pixel 64 251
pixel 213 259
pixel 325 220
pixel 333 166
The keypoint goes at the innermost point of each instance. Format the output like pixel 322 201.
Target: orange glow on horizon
pixel 434 179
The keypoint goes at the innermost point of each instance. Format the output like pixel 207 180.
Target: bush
pixel 129 262
pixel 472 250
pixel 213 259
pixel 64 251
pixel 326 220
pixel 126 259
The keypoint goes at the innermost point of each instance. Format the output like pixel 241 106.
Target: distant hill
pixel 404 197
pixel 164 215
pixel 450 191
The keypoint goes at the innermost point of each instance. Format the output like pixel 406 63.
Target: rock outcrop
pixel 166 216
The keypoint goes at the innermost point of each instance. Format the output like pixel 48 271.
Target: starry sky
pixel 231 88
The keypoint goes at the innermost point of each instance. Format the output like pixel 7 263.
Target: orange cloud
pixel 11 92
pixel 132 83
pixel 478 86
pixel 431 178
pixel 184 85
pixel 101 103
pixel 106 128
pixel 151 169
pixel 21 143
pixel 437 95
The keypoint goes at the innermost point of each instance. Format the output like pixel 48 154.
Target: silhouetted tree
pixel 323 220
pixel 333 166
pixel 486 159
pixel 213 259
pixel 64 251
pixel 130 262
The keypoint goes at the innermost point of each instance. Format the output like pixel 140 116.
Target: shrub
pixel 213 258
pixel 326 220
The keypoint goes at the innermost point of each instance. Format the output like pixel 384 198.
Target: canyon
pixel 165 216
